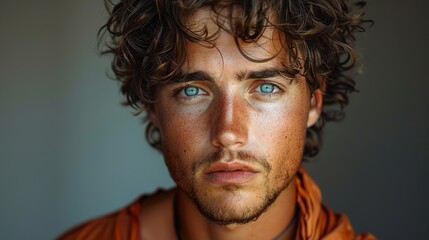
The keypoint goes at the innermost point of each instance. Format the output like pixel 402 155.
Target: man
pixel 236 94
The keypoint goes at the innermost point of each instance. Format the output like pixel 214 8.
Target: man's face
pixel 233 134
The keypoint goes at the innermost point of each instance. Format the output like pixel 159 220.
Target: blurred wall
pixel 69 151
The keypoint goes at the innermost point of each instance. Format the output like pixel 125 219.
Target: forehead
pixel 217 45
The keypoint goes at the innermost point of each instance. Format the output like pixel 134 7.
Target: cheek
pixel 182 135
pixel 284 129
pixel 284 124
pixel 180 129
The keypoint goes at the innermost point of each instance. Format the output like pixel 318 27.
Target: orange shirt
pixel 315 221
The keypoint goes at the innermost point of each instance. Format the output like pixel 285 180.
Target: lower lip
pixel 232 177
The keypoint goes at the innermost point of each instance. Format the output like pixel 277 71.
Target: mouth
pixel 230 173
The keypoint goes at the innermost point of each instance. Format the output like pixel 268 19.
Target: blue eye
pixel 191 91
pixel 267 88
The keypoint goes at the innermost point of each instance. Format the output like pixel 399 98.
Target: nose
pixel 230 120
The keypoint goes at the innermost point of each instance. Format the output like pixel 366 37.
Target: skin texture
pixel 231 124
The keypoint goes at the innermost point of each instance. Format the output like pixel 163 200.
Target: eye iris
pixel 191 91
pixel 267 88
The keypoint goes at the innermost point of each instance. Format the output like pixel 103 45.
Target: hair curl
pixel 147 39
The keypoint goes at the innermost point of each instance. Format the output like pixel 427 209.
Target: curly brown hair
pixel 147 39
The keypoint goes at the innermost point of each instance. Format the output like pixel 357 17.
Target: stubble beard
pixel 226 215
pixel 223 213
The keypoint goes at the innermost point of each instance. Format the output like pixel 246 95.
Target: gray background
pixel 69 151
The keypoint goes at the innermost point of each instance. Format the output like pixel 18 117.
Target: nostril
pixel 228 138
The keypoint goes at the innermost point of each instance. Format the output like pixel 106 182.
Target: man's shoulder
pixel 110 226
pixel 338 226
pixel 121 224
pixel 316 220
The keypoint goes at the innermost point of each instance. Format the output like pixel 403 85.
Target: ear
pixel 316 103
pixel 151 112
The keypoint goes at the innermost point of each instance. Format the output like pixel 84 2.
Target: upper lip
pixel 229 167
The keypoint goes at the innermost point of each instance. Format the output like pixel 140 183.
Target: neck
pixel 277 222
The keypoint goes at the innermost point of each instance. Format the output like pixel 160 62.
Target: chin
pixel 232 205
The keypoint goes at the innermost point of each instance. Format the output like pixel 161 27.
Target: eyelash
pixel 276 90
pixel 178 92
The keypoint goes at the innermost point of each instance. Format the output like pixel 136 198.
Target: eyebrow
pixel 245 75
pixel 267 73
pixel 196 76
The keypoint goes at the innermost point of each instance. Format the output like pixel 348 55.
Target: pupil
pixel 267 88
pixel 191 91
